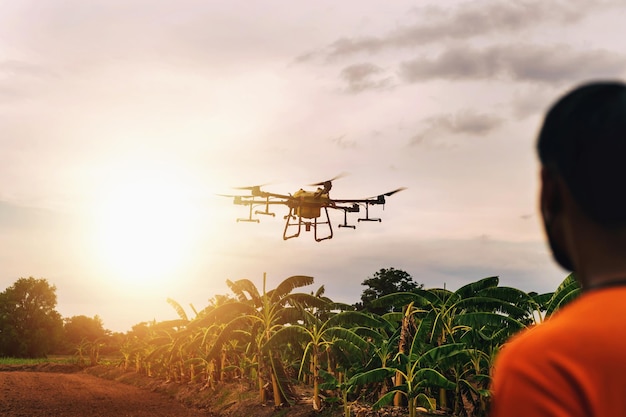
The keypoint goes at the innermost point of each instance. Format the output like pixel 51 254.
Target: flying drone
pixel 307 209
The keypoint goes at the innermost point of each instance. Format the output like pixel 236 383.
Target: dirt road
pixel 38 394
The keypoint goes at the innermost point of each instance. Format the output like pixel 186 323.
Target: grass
pixel 37 361
pixel 60 359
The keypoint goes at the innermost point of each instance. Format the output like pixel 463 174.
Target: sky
pixel 121 122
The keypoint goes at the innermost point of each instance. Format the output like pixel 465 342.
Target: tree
pixel 83 334
pixel 383 282
pixel 29 324
pixel 79 328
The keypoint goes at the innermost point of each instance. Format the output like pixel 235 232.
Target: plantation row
pixel 425 347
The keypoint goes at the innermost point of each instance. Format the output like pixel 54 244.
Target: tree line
pixel 30 326
pixel 401 344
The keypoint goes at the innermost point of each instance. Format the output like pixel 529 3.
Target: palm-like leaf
pixel 372 376
pixel 429 377
pixel 495 321
pixel 288 285
pixel 386 399
pixel 474 288
pixel 567 291
pixel 353 318
pixel 437 355
pixel 243 286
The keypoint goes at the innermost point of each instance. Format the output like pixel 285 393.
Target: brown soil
pixel 36 392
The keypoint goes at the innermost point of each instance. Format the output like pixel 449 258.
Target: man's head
pixel 582 148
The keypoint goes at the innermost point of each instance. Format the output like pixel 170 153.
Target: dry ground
pixel 32 392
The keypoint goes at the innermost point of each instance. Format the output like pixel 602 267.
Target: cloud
pixel 364 76
pixel 463 123
pixel 549 64
pixel 342 143
pixel 472 19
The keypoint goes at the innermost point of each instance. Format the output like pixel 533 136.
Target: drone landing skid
pixel 367 215
pixel 251 205
pixel 307 226
pixel 345 216
pixel 248 220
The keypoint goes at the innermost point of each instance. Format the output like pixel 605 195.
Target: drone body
pixel 307 209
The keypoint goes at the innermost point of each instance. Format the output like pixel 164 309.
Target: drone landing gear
pixel 307 225
pixel 367 215
pixel 250 219
pixel 346 210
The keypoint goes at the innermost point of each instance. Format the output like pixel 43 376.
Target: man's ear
pixel 551 199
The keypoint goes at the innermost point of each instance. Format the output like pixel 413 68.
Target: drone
pixel 307 209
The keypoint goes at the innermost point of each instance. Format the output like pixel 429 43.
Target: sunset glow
pixel 144 228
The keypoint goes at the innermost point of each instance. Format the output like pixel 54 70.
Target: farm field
pixel 65 391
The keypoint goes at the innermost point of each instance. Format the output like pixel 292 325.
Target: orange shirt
pixel 572 365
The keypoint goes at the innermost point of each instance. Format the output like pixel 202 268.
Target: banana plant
pixel 318 337
pixel 437 311
pixel 339 383
pixel 261 314
pixel 566 292
pixel 419 375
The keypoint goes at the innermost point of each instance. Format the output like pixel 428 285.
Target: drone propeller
pixel 381 197
pixel 390 193
pixel 251 187
pixel 319 184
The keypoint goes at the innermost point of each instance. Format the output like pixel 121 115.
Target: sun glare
pixel 144 228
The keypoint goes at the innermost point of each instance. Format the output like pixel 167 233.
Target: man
pixel 574 364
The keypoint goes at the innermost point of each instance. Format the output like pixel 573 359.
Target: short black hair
pixel 583 139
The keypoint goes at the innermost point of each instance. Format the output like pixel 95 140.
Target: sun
pixel 144 227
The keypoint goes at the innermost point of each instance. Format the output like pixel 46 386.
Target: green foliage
pixel 566 292
pixel 428 344
pixel 383 282
pixel 79 328
pixel 29 324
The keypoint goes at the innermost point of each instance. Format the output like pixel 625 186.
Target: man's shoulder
pixel 584 318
